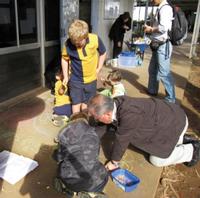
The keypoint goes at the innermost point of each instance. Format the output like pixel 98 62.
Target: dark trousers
pixel 117 50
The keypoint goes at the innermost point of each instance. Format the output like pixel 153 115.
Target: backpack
pixel 179 28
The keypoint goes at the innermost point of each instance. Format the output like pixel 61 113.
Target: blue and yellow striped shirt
pixel 83 61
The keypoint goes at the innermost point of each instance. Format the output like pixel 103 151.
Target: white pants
pixel 181 153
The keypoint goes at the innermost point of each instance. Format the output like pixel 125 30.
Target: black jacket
pixel 77 154
pixel 117 31
pixel 151 125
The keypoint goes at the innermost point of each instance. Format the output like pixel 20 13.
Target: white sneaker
pixel 59 120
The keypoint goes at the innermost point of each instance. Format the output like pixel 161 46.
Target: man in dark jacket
pixel 77 154
pixel 119 27
pixel 152 125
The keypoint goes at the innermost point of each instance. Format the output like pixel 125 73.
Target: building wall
pixel 101 26
pixel 69 10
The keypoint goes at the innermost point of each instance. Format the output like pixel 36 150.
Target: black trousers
pixel 117 50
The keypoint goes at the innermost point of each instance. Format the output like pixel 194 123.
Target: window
pixel 111 9
pixel 52 20
pixel 27 21
pixel 8 36
pixel 23 31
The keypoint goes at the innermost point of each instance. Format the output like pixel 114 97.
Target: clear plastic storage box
pixel 128 59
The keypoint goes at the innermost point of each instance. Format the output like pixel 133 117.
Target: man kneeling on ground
pixel 152 125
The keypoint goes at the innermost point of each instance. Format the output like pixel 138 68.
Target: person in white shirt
pixel 159 67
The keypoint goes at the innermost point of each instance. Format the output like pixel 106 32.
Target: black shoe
pixel 189 139
pixel 196 154
pixel 151 94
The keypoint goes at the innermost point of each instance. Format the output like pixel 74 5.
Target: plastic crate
pixel 128 53
pixel 141 46
pixel 128 59
pixel 125 179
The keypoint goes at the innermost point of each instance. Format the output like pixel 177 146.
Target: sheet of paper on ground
pixel 14 167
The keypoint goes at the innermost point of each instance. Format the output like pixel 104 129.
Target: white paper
pixel 14 167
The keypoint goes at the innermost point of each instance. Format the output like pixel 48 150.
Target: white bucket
pixel 114 62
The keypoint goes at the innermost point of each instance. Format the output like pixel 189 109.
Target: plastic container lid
pixel 127 53
pixel 128 61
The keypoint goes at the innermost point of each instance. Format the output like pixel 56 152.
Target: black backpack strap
pixel 170 3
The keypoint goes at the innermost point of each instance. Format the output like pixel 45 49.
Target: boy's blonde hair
pixel 78 31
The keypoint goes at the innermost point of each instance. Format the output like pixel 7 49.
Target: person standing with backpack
pixel 159 67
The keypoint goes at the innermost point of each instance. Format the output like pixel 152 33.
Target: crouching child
pixel 114 80
pixel 79 168
pixel 62 108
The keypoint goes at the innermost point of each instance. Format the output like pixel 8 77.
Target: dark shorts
pixel 63 110
pixel 81 93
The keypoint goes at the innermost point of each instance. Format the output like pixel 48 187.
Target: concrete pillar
pixel 69 10
pixel 195 33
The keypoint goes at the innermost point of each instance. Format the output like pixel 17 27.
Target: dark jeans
pixel 160 70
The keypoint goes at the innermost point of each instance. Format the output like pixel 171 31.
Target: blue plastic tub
pixel 128 59
pixel 128 53
pixel 141 46
pixel 125 179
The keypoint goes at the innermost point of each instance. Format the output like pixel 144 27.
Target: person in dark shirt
pixel 155 126
pixel 79 167
pixel 116 34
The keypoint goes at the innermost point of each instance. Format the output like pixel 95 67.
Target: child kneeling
pixel 62 107
pixel 114 81
pixel 79 168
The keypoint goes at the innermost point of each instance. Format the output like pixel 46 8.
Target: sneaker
pixel 57 185
pixel 58 123
pixel 151 94
pixel 189 139
pixel 196 154
pixel 60 117
pixel 83 195
pixel 100 195
pixel 59 120
pixel 56 139
pixel 60 187
pixel 92 195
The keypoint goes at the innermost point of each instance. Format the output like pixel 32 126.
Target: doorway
pixel 85 12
